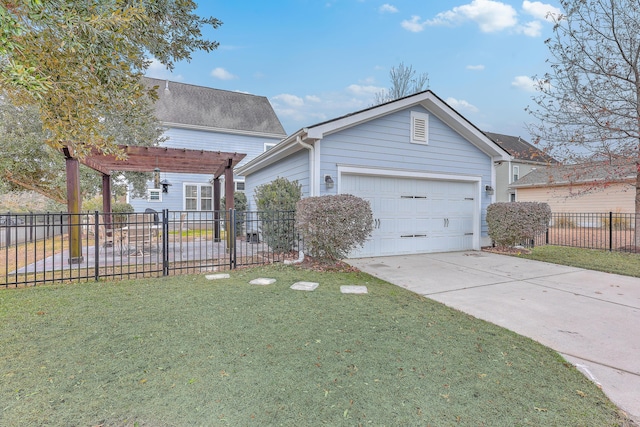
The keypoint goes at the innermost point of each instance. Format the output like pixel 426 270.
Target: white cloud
pixel 360 90
pixel 461 105
pixel 525 83
pixel 541 10
pixel 531 29
pixel 478 67
pixel 312 98
pixel 157 70
pixel 222 74
pixel 387 8
pixel 490 15
pixel 414 25
pixel 290 100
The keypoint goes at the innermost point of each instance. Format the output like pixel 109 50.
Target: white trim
pixel 159 199
pixel 199 196
pixel 395 173
pixel 278 136
pixel 268 146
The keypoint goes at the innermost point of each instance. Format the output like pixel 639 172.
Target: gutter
pixel 312 164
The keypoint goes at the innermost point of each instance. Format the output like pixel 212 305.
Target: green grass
pixel 183 351
pixel 627 264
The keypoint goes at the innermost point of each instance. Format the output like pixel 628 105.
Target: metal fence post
pixel 96 240
pixel 165 242
pixel 610 231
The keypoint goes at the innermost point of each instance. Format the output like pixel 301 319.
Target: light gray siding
pixel 294 168
pixel 385 143
pixel 193 139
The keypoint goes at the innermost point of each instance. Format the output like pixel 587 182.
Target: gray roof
pixel 520 149
pixel 575 174
pixel 199 106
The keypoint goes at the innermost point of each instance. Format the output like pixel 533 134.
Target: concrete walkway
pixel 591 318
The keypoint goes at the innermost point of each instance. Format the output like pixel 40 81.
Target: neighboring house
pixel 202 118
pixel 423 167
pixel 585 188
pixel 525 158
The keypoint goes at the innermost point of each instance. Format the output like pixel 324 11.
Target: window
pixel 512 197
pixel 154 195
pixel 516 173
pixel 419 128
pixel 206 198
pixel 269 145
pixel 239 185
pixel 198 197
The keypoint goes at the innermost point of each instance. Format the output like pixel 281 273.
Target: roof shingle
pixel 190 105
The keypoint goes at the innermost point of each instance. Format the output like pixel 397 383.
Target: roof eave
pixel 284 148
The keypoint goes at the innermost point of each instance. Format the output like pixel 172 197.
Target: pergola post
pixel 229 202
pixel 74 203
pixel 216 209
pixel 106 200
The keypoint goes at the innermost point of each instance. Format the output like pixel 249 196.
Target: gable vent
pixel 419 128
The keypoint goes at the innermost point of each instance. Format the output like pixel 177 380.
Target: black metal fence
pixel 37 248
pixel 610 231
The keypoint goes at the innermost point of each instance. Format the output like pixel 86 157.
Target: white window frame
pixel 515 173
pixel 419 128
pixel 269 145
pixel 235 184
pixel 150 198
pixel 198 198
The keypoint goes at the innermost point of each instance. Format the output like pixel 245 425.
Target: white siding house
pixel 423 167
pixel 202 118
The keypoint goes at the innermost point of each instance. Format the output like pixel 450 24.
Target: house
pixel 203 118
pixel 423 167
pixel 525 158
pixel 584 188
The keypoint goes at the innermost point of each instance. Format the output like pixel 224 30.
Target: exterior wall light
pixel 328 181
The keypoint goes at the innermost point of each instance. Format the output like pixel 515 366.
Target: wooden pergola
pixel 143 159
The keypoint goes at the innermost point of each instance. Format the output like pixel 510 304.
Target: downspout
pixel 312 166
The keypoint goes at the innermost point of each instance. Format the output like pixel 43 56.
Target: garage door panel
pixel 415 215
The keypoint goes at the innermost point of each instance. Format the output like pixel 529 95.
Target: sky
pixel 316 60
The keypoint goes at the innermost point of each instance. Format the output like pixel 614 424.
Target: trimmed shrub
pixel 514 223
pixel 276 202
pixel 332 226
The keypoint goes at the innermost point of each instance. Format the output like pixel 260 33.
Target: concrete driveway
pixel 591 318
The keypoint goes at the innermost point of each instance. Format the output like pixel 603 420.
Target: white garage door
pixel 415 215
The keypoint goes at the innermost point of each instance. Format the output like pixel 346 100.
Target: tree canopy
pixel 79 61
pixel 27 163
pixel 588 105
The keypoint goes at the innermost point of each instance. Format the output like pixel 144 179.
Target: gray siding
pixel 294 168
pixel 192 139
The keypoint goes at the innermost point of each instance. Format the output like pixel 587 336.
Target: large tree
pixel 79 61
pixel 27 163
pixel 404 82
pixel 588 105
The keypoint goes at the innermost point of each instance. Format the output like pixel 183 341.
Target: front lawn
pixel 627 264
pixel 184 351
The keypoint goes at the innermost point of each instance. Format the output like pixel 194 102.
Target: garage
pixel 427 171
pixel 414 215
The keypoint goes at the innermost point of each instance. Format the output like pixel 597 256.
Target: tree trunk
pixel 636 227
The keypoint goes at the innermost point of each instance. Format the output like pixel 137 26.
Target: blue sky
pixel 319 59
